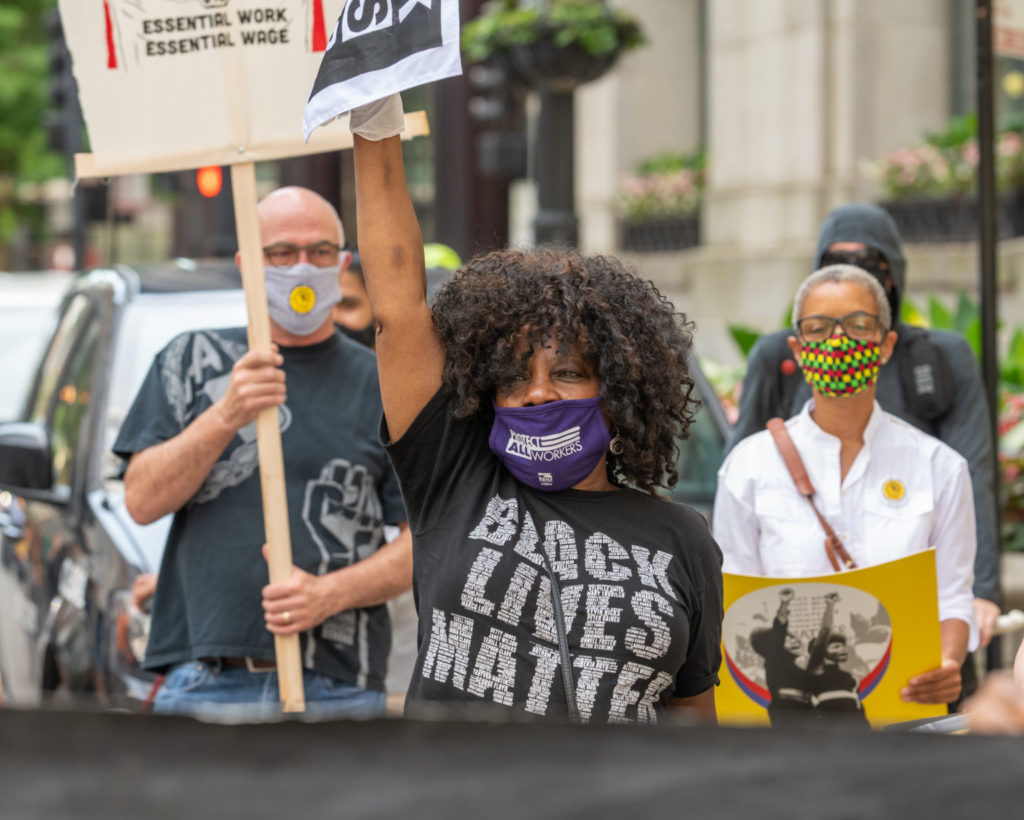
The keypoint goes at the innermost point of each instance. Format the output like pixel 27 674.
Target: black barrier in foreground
pixel 89 765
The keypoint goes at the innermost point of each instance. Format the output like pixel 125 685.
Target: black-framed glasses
pixel 284 254
pixel 858 325
pixel 864 258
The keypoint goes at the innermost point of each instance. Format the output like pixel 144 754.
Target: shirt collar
pixel 874 423
pixel 819 436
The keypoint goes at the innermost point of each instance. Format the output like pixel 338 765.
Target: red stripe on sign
pixel 319 32
pixel 111 53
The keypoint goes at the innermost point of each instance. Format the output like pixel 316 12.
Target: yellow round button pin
pixel 894 490
pixel 302 299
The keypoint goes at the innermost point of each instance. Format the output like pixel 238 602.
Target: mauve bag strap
pixel 787 449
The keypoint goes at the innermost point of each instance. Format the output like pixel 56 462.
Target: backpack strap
pixel 791 457
pixel 926 378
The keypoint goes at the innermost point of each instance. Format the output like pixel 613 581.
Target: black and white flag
pixel 379 47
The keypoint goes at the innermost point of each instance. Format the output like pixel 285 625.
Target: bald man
pixel 189 445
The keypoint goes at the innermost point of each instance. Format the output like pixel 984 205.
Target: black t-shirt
pixel 780 669
pixel 834 679
pixel 340 488
pixel 640 581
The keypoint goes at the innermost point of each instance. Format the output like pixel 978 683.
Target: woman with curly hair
pixel 531 417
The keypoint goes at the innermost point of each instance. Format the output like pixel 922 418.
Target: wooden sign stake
pixel 268 432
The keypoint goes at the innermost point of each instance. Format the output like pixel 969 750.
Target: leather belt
pixel 838 694
pixel 252 664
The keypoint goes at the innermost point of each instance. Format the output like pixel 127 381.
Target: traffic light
pixel 64 119
pixel 497 106
pixel 209 180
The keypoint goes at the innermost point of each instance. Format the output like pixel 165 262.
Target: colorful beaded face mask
pixel 839 365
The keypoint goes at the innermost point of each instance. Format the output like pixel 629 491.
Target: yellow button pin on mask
pixel 302 299
pixel 894 490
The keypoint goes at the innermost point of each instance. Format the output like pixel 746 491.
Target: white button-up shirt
pixel 905 492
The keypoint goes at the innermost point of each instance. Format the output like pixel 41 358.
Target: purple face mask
pixel 550 446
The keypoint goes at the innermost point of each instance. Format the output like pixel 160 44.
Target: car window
pixel 24 332
pixel 74 318
pixel 699 458
pixel 71 405
pixel 150 321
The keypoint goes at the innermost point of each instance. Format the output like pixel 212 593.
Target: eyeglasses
pixel 857 325
pixel 285 254
pixel 864 258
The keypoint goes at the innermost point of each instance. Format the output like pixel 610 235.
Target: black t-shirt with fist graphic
pixel 341 491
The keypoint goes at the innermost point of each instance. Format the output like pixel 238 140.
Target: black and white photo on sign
pixel 380 47
pixel 788 641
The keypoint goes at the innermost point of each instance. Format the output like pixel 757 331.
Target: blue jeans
pixel 232 695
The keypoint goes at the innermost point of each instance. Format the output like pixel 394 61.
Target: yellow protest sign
pixel 799 648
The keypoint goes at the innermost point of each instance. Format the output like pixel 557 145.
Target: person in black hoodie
pixel 933 383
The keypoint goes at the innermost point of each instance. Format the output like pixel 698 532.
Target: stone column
pixel 800 94
pixel 649 103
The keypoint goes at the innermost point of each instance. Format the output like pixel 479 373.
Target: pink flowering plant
pixel 965 319
pixel 665 186
pixel 1011 467
pixel 946 164
pixel 1011 442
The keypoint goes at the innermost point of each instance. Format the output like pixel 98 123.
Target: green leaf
pixel 911 314
pixel 973 335
pixel 745 338
pixel 787 317
pixel 1011 368
pixel 1015 351
pixel 967 312
pixel 588 24
pixel 938 316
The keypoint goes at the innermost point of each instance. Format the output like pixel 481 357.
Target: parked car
pixel 28 310
pixel 69 551
pixel 700 455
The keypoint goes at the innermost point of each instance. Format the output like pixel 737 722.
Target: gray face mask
pixel 300 298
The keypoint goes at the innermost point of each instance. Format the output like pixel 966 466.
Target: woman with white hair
pixel 875 488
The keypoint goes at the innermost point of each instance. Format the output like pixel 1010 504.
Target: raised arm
pixel 409 354
pixel 785 597
pixel 820 643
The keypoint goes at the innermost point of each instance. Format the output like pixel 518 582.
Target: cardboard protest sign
pixel 379 47
pixel 880 627
pixel 175 84
pixel 167 85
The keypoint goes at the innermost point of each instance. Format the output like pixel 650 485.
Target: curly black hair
pixel 633 337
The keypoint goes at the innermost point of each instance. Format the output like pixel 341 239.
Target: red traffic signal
pixel 209 180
